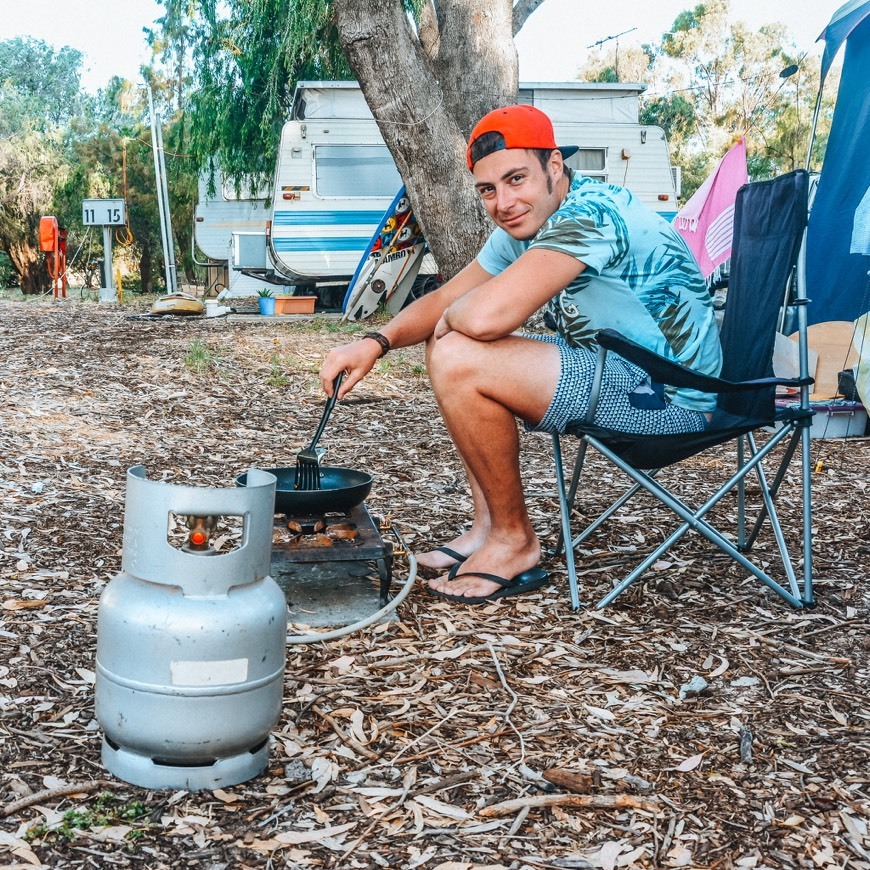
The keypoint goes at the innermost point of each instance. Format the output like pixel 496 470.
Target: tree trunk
pixel 28 263
pixel 427 96
pixel 145 268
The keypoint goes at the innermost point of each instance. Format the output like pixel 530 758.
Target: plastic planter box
pixel 294 304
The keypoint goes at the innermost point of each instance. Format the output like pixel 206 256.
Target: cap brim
pixel 568 150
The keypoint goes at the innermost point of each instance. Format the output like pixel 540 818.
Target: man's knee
pixel 452 356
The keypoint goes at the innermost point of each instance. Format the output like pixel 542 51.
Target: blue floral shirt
pixel 640 279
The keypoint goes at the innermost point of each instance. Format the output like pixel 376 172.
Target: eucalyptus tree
pixel 39 94
pixel 742 81
pixel 31 164
pixel 711 80
pixel 110 156
pixel 429 69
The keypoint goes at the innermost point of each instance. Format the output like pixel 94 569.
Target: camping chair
pixel 770 218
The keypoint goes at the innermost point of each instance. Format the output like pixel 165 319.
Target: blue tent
pixel 838 235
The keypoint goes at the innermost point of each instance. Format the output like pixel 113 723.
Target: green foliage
pixel 278 368
pixel 245 58
pixel 606 74
pixel 40 84
pixel 200 357
pixel 7 273
pixel 106 810
pixel 711 82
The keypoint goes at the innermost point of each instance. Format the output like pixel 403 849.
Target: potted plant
pixel 266 302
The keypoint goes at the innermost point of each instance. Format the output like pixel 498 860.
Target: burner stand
pixel 368 545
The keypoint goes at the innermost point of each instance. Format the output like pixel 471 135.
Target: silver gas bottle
pixel 191 644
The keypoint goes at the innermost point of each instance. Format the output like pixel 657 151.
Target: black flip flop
pixel 453 555
pixel 527 581
pixel 429 572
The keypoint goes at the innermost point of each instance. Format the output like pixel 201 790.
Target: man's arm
pixel 410 326
pixel 502 304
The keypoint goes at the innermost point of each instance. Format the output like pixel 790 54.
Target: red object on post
pixel 48 234
pixel 52 242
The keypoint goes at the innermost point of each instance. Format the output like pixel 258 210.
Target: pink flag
pixel 706 221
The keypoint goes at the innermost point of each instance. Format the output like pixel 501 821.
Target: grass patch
pixel 106 810
pixel 278 369
pixel 200 357
pixel 333 325
pixel 398 362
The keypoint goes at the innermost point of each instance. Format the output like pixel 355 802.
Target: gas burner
pixel 335 537
pixel 317 533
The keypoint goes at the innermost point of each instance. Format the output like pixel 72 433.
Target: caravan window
pixel 591 162
pixel 355 170
pixel 249 189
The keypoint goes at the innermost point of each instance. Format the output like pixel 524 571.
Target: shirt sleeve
pixel 499 251
pixel 593 233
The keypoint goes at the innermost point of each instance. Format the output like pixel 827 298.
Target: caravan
pixel 227 218
pixel 335 177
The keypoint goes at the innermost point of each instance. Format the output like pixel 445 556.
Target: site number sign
pixel 104 212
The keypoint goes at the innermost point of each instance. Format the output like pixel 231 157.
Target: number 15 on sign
pixel 104 212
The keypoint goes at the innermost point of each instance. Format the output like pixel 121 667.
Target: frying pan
pixel 340 490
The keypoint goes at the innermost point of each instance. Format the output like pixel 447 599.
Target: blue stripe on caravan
pixel 325 218
pixel 667 215
pixel 298 246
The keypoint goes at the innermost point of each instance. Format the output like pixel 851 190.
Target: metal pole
pixel 162 204
pixel 107 290
pixel 172 271
pixel 804 370
pixel 814 124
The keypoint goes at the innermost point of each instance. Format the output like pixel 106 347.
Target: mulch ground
pixel 697 722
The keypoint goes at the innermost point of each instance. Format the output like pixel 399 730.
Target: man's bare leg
pixel 470 540
pixel 481 388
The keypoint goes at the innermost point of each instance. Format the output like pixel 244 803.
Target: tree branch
pixel 522 10
pixel 428 31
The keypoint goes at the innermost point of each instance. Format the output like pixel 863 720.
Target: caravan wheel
pixel 422 285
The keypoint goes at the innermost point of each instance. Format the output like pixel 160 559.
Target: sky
pixel 552 45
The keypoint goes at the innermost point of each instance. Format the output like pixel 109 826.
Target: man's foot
pixel 454 553
pixel 509 566
pixel 527 581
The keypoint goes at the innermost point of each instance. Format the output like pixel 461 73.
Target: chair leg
pixel 806 482
pixel 741 499
pixel 774 488
pixel 694 519
pixel 770 507
pixel 565 512
pixel 572 489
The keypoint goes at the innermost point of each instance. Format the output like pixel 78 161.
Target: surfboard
pixel 390 262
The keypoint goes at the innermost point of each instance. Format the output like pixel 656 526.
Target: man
pixel 600 259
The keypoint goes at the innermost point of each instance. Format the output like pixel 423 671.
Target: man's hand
pixel 357 359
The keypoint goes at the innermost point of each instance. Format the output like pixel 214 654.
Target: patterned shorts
pixel 629 401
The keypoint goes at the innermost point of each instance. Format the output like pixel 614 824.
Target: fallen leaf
pixel 689 763
pixel 294 838
pixel 436 806
pixel 609 853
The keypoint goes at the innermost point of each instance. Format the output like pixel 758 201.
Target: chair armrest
pixel 667 371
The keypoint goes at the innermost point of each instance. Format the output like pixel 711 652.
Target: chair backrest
pixel 769 221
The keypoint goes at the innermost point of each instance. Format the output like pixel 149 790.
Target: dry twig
pixel 587 801
pixel 49 794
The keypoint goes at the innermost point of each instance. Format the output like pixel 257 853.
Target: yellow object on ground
pixel 180 304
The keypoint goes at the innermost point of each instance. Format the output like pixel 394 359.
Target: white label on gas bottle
pixel 209 673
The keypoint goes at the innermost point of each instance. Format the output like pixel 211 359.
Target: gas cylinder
pixel 191 643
